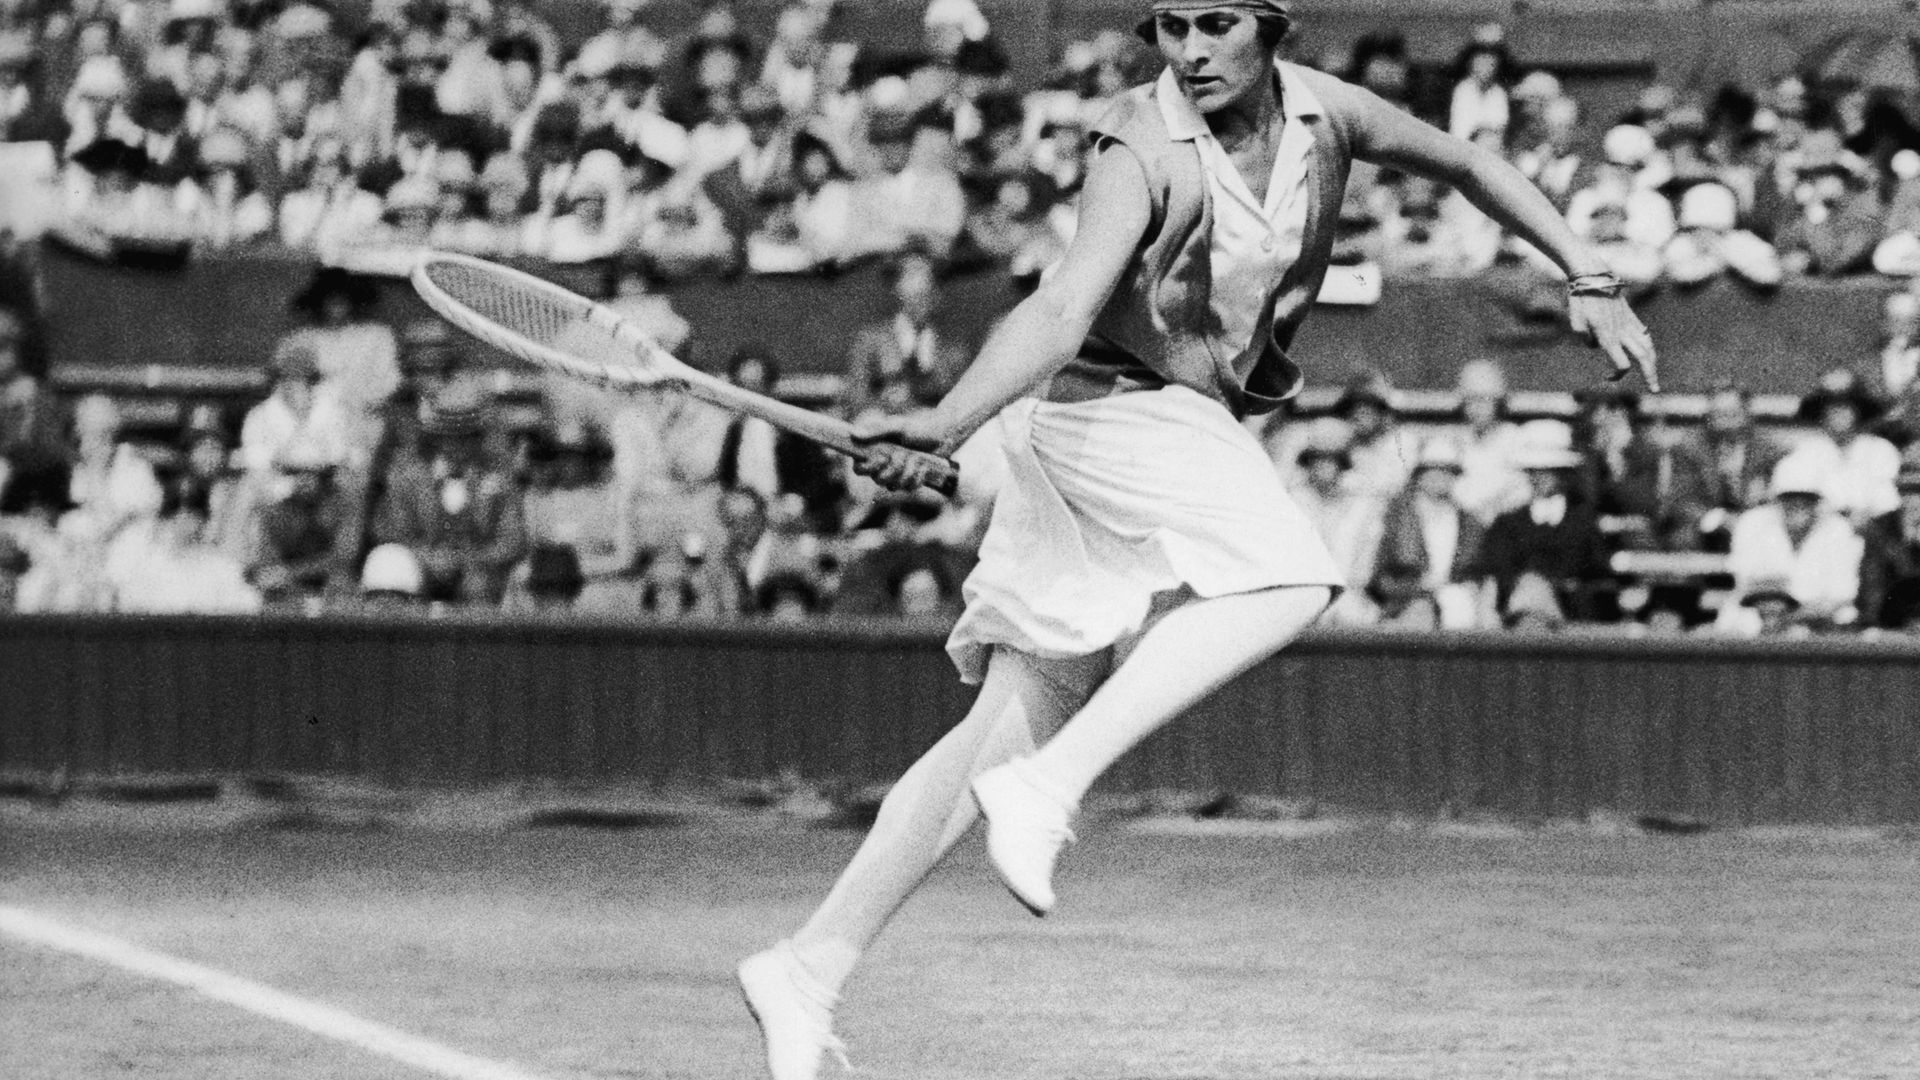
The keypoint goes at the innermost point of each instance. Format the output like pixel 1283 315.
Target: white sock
pixel 931 808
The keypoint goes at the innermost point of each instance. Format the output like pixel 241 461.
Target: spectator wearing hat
pixel 158 110
pixel 892 547
pixel 761 175
pixel 1768 609
pixel 1382 452
pixel 329 209
pixel 1648 493
pixel 1797 539
pixel 1617 181
pixel 1346 517
pixel 1488 484
pixel 207 462
pixel 910 350
pixel 499 230
pixel 94 98
pixel 308 527
pixel 1890 561
pixel 1894 380
pixel 633 109
pixel 454 506
pixel 1734 461
pixel 1554 541
pixel 1709 242
pixel 221 203
pixel 391 581
pixel 916 200
pixel 408 212
pixel 1838 222
pixel 574 502
pixel 1857 468
pixel 294 409
pixel 358 356
pixel 1427 570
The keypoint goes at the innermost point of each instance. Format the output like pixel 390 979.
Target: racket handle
pixel 943 474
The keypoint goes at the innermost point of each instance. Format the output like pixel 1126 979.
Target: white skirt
pixel 1114 503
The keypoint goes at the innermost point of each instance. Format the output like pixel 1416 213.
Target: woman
pixel 1142 552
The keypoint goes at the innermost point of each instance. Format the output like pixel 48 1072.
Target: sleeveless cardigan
pixel 1156 330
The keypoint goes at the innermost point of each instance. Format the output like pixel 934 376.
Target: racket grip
pixel 943 474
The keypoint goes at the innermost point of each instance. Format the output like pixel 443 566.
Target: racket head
pixel 542 323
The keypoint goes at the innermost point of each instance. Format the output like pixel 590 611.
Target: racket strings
pixel 544 319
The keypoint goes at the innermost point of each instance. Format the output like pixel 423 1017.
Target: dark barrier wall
pixel 227 313
pixel 1822 731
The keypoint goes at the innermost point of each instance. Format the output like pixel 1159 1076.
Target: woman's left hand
pixel 1610 325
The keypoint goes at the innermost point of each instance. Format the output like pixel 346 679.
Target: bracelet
pixel 1606 284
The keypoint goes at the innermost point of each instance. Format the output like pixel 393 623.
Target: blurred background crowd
pixel 382 469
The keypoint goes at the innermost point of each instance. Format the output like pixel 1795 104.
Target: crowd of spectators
pixel 1617 516
pixel 716 148
pixel 380 471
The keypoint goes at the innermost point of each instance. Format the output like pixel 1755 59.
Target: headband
pixel 1281 8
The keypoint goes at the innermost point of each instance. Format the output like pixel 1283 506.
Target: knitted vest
pixel 1158 327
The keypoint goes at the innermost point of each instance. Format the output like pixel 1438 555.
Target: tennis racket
pixel 546 325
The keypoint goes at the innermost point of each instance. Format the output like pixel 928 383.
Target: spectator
pixel 873 580
pixel 221 203
pixel 1857 469
pixel 916 200
pixel 392 582
pixel 789 597
pixel 1618 182
pixel 207 464
pixel 1838 223
pixel 1347 518
pixel 1382 452
pixel 163 564
pixel 498 233
pixel 742 555
pixel 454 506
pixel 1428 567
pixel 25 113
pixel 1797 540
pixel 909 350
pixel 593 215
pixel 1735 462
pixel 754 454
pixel 358 357
pixel 329 210
pixel 1647 495
pixel 308 528
pixel 1769 609
pixel 33 453
pixel 1489 484
pixel 576 505
pixel 110 480
pixel 553 578
pixel 1013 231
pixel 1895 381
pixel 1483 70
pixel 1548 559
pixel 1607 229
pixel 761 174
pixel 1709 242
pixel 295 409
pixel 1890 563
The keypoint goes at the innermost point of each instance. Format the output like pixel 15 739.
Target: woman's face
pixel 1217 55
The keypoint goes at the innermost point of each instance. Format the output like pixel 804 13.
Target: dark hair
pixel 785 584
pixel 1273 28
pixel 1504 64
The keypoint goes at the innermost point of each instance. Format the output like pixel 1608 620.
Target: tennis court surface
pixel 1320 953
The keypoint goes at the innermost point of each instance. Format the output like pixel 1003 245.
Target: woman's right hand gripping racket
pixel 544 324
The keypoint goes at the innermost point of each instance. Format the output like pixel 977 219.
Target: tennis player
pixel 1142 551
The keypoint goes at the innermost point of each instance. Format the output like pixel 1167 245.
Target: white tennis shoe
pixel 1026 828
pixel 794 1011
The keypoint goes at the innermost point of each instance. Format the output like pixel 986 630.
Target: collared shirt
pixel 1254 241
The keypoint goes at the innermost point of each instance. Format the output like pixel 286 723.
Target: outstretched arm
pixel 1395 139
pixel 1043 332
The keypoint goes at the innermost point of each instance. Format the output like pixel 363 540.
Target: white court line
pixel 317 1017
